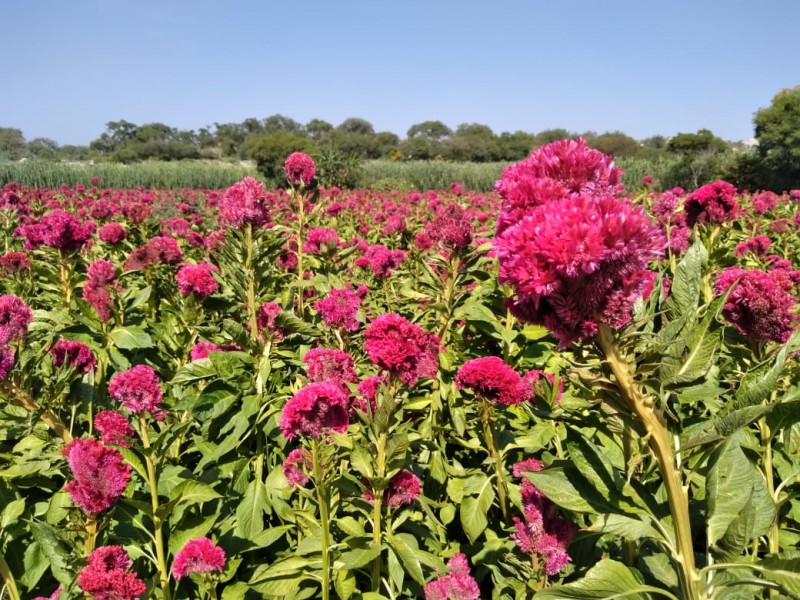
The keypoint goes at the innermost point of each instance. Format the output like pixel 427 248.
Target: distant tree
pixel 252 125
pixel 431 130
pixel 420 148
pixel 12 143
pixel 270 152
pixel 552 135
pixel 696 143
pixel 473 142
pixel 656 142
pixel 275 123
pixel 778 135
pixel 356 125
pixel 44 148
pixel 701 157
pixel 384 143
pixel 230 137
pixel 615 143
pixel 71 152
pixel 516 146
pixel 317 128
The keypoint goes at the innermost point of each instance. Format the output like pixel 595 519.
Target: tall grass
pixel 175 175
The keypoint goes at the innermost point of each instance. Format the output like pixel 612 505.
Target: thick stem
pixel 447 299
pixel 496 456
pixel 377 534
pixel 766 442
pixel 91 535
pixel 8 579
pixel 21 398
pixel 661 445
pixel 252 310
pixel 64 269
pixel 324 518
pixel 163 573
pixel 300 273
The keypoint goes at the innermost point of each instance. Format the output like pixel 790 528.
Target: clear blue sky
pixel 644 67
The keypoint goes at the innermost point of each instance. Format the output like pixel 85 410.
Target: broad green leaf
pixel 270 536
pixel 130 338
pixel 195 370
pixel 783 571
pixel 556 482
pixel 474 509
pixel 783 414
pixel 688 281
pixel 607 580
pixel 358 557
pixel 12 512
pixel 406 548
pixel 53 549
pixel 193 492
pixel 250 512
pixel 626 526
pixel 758 384
pixel 235 591
pixel 344 582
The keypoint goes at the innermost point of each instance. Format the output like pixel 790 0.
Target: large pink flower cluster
pixel 457 585
pixel 112 233
pixel 106 576
pixel 158 249
pixel 138 389
pixel 452 227
pixel 401 348
pixel 100 284
pixel 711 203
pixel 76 355
pixel 761 304
pixel 113 428
pixel 197 280
pixel 266 320
pixel 15 316
pixel 328 364
pixel 244 202
pixel 199 555
pixel 300 168
pixel 339 309
pixel 314 410
pixel 58 229
pixel 12 262
pixel 6 361
pixel 381 260
pixel 101 474
pixel 490 378
pixel 321 240
pixel 577 262
pixel 297 466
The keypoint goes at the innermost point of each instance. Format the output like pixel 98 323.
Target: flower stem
pixel 300 196
pixel 163 574
pixel 377 534
pixel 324 517
pixel 65 283
pixel 91 535
pixel 252 315
pixel 496 455
pixel 21 398
pixel 8 578
pixel 773 535
pixel 661 445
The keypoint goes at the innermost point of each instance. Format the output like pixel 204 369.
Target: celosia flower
pixel 321 240
pixel 381 260
pixel 112 233
pixel 199 555
pixel 165 249
pixel 62 230
pixel 201 350
pixel 315 409
pixel 490 378
pixel 113 428
pixel 11 262
pixel 578 262
pixel 101 474
pixel 100 283
pixel 536 378
pixel 761 305
pixel 764 201
pixel 6 361
pixel 368 388
pixel 197 279
pixel 106 576
pixel 53 596
pixel 15 316
pixel 138 389
pixel 758 245
pixel 458 585
pixel 403 488
pixel 76 355
pixel 300 168
pixel 453 228
pixel 711 203
pixel 339 309
pixel 243 203
pixel 296 467
pixel 327 364
pixel 265 320
pixel 401 348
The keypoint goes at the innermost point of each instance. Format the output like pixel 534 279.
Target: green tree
pixel 317 128
pixel 778 135
pixel 473 142
pixel 517 145
pixel 275 123
pixel 270 152
pixel 356 125
pixel 552 135
pixel 615 143
pixel 44 148
pixel 430 130
pixel 12 143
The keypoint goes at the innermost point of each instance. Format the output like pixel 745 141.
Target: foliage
pixel 778 134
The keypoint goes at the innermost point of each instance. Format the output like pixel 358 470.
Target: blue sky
pixel 644 67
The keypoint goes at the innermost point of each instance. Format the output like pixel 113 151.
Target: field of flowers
pixel 560 389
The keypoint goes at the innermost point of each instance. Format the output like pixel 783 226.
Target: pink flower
pixel 300 168
pixel 199 555
pixel 315 409
pixel 647 181
pixel 53 596
pixel 6 361
pixel 15 317
pixel 327 364
pixel 243 203
pixel 368 388
pixel 711 203
pixel 490 378
pixel 321 240
pixel 458 585
pixel 113 428
pixel 339 309
pixel 100 283
pixel 112 233
pixel 758 245
pixel 76 355
pixel 536 378
pixel 764 201
pixel 139 390
pixel 101 475
pixel 381 260
pixel 453 228
pixel 297 466
pixel 761 305
pixel 197 279
pixel 12 262
pixel 108 558
pixel 106 576
pixel 201 350
pixel 401 348
pixel 403 488
pixel 578 262
pixel 64 231
pixel 267 313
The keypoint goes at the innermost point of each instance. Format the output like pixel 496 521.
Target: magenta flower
pixel 458 585
pixel 321 240
pixel 297 466
pixel 265 320
pixel 314 410
pixel 300 168
pixel 381 260
pixel 76 355
pixel 100 474
pixel 490 378
pixel 243 203
pixel 711 203
pixel 764 201
pixel 453 228
pixel 403 488
pixel 197 279
pixel 12 262
pixel 106 576
pixel 327 364
pixel 578 262
pixel 199 555
pixel 401 348
pixel 201 350
pixel 339 309
pixel 112 233
pixel 62 230
pixel 100 283
pixel 53 596
pixel 15 317
pixel 138 389
pixel 758 245
pixel 6 361
pixel 114 428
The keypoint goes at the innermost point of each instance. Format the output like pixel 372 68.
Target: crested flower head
pixel 401 348
pixel 327 364
pixel 339 309
pixel 265 320
pixel 197 280
pixel 314 410
pixel 62 230
pixel 457 585
pixel 711 203
pixel 76 355
pixel 300 168
pixel 381 260
pixel 106 576
pixel 100 474
pixel 297 466
pixel 138 389
pixel 199 555
pixel 6 361
pixel 11 262
pixel 114 428
pixel 403 488
pixel 453 228
pixel 15 317
pixel 490 378
pixel 100 283
pixel 321 240
pixel 112 233
pixel 244 202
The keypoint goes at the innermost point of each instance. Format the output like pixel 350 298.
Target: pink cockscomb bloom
pixel 13 262
pixel 314 410
pixel 53 596
pixel 452 227
pixel 199 555
pixel 328 364
pixel 401 348
pixel 758 245
pixel 62 230
pixel 244 202
pixel 15 317
pixel 6 361
pixel 112 233
pixel 297 466
pixel 403 488
pixel 760 305
pixel 381 260
pixel 106 576
pixel 300 168
pixel 265 320
pixel 339 309
pixel 458 585
pixel 764 201
pixel 101 474
pixel 113 428
pixel 138 389
pixel 201 350
pixel 490 378
pixel 321 240
pixel 197 280
pixel 578 262
pixel 99 286
pixel 76 355
pixel 711 203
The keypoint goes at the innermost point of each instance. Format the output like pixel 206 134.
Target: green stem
pixel 773 535
pixel 377 508
pixel 21 398
pixel 91 535
pixel 300 273
pixel 496 455
pixel 65 283
pixel 8 578
pixel 252 310
pixel 152 481
pixel 447 299
pixel 324 518
pixel 661 445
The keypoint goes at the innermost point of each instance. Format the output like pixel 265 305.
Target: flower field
pixel 564 388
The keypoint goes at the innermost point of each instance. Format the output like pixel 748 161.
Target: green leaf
pixel 783 571
pixel 270 536
pixel 688 281
pixel 195 370
pixel 344 582
pixel 12 512
pixel 250 512
pixel 626 526
pixel 406 548
pixel 758 384
pixel 55 552
pixel 783 415
pixel 130 338
pixel 235 591
pixel 193 492
pixel 358 557
pixel 556 482
pixel 607 580
pixel 474 509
